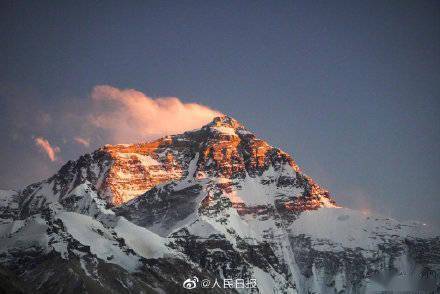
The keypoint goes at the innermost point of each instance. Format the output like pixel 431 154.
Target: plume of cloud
pixel 45 146
pixel 130 116
pixel 82 141
pixel 107 116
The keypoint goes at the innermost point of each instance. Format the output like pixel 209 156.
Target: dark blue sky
pixel 350 88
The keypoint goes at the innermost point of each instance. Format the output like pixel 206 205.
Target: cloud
pixel 106 115
pixel 82 141
pixel 130 116
pixel 47 148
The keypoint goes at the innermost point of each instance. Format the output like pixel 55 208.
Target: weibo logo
pixel 190 283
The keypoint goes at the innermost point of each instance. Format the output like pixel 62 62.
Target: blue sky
pixel 349 88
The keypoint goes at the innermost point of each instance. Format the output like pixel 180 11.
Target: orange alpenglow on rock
pixel 223 148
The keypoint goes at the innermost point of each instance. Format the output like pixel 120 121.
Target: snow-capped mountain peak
pixel 216 203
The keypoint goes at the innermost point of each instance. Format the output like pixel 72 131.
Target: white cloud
pixel 45 146
pixel 130 116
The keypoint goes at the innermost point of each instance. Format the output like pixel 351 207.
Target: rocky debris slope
pixel 215 203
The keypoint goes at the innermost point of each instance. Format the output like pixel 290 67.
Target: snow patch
pixel 224 130
pixel 141 240
pixel 103 244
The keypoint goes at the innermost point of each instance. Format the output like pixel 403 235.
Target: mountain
pixel 214 204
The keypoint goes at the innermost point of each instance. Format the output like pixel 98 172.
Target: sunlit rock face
pixel 135 169
pixel 215 203
pixel 224 149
